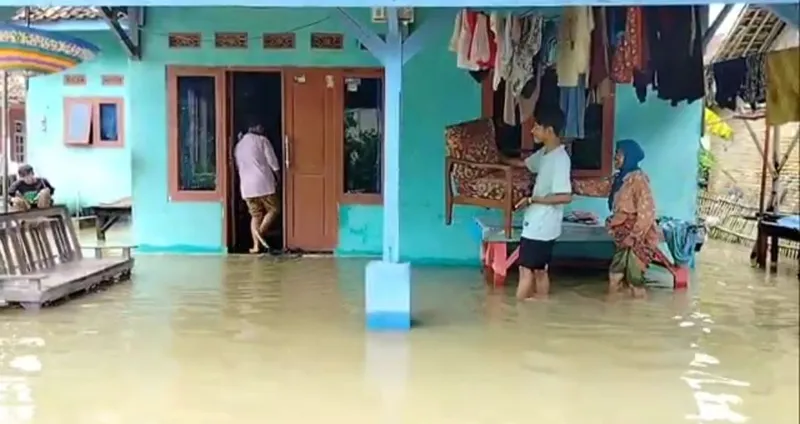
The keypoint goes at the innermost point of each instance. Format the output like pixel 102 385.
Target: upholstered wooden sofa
pixel 475 175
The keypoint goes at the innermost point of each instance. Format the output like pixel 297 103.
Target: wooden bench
pixel 496 260
pixel 107 214
pixel 41 259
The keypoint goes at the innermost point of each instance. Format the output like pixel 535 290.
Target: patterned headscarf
pixel 632 154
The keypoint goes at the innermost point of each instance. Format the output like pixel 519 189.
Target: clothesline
pixel 767 77
pixel 583 52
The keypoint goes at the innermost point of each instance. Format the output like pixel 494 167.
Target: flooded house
pixel 206 69
pixel 356 110
pixel 357 103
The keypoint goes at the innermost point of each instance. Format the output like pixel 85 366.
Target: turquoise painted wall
pixel 162 225
pixel 435 94
pixel 670 138
pixel 81 175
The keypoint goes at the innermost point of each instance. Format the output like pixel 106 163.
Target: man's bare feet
pixel 262 242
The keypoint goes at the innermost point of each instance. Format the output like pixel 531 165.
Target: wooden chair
pixel 41 259
pixel 474 174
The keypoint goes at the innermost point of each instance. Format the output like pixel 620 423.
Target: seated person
pixel 30 191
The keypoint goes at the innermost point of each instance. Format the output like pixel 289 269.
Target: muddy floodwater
pixel 210 339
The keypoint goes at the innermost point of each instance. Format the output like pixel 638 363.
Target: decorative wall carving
pixel 230 40
pixel 74 79
pixel 113 80
pixel 184 40
pixel 284 40
pixel 327 41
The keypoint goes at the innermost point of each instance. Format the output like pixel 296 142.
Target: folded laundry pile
pixel 682 238
pixel 582 217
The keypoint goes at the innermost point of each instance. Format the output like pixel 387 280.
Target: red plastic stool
pixel 680 273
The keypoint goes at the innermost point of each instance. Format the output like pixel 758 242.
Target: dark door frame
pixel 228 207
pixel 336 143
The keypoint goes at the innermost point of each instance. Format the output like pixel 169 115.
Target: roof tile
pixel 57 13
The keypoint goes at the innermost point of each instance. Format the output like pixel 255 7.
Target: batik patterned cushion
pixel 472 141
pixel 493 186
pixel 591 187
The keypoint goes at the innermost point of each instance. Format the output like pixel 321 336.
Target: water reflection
pixel 211 340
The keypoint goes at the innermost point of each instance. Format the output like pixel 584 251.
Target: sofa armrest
pixel 505 169
pixel 449 162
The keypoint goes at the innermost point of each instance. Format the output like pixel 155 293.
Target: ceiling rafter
pixel 130 38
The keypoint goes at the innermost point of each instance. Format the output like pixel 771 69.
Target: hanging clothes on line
pixel 741 78
pixel 674 41
pixel 502 58
pixel 474 42
pixel 574 45
pixel 783 86
pixel 549 48
pixel 483 48
pixel 754 87
pixel 599 68
pixel 573 62
pixel 628 55
pixel 525 47
pixel 573 104
pixel 615 26
pixel 461 41
pixel 729 77
pixel 522 71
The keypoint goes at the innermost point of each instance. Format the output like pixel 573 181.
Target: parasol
pixel 31 50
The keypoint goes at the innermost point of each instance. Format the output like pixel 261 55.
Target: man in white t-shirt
pixel 544 211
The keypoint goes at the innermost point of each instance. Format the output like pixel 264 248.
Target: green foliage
pixel 362 161
pixel 705 164
pixel 706 160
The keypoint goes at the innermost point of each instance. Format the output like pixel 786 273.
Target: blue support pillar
pixel 388 282
pixel 387 297
pixel 393 77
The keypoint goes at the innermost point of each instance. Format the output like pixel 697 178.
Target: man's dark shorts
pixel 535 254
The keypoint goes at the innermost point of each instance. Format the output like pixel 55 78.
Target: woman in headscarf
pixel 632 223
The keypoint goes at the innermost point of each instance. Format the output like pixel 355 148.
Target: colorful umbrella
pixel 44 52
pixel 39 52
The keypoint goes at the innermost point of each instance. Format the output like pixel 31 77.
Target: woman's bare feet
pixel 638 292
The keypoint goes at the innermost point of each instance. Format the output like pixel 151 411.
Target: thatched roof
pixel 754 32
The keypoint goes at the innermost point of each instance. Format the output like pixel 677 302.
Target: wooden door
pixel 309 160
pixel 230 206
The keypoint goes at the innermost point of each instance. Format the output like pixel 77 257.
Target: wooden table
pixel 107 214
pixel 496 260
pixel 495 256
pixel 770 233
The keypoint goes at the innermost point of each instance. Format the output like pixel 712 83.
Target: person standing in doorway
pixel 258 176
pixel 544 210
pixel 30 191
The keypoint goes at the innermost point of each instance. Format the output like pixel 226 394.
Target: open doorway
pixel 254 97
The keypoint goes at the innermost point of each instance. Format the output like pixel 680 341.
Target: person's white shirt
pixel 552 169
pixel 257 165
